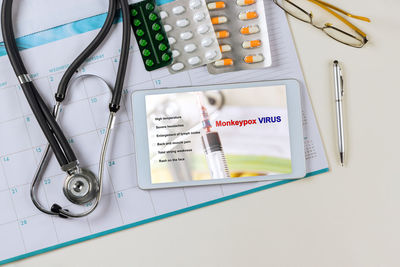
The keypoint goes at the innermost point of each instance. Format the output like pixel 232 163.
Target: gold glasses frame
pixel 361 37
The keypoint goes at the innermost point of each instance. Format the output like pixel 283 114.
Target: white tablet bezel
pixel 295 131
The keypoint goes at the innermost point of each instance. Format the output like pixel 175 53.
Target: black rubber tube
pixel 63 85
pixel 55 128
pixel 123 61
pixel 28 88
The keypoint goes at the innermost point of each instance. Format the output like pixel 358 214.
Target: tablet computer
pixel 218 134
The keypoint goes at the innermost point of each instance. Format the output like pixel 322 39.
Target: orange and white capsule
pixel 251 44
pixel 245 2
pixel 222 34
pixel 225 48
pixel 253 58
pixel 250 29
pixel 247 15
pixel 219 20
pixel 223 62
pixel 216 5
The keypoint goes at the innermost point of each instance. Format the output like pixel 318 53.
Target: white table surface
pixel 348 217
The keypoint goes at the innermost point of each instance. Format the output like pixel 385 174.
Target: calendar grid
pixel 30 115
pixel 97 130
pixel 13 205
pixel 32 149
pixel 5 175
pixel 100 137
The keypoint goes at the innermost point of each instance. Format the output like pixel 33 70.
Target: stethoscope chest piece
pixel 81 186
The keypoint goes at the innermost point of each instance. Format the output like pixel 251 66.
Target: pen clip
pixel 341 81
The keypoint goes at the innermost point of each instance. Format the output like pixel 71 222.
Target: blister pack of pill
pixel 190 33
pixel 241 29
pixel 150 35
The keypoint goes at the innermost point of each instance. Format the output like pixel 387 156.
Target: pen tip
pixel 342 158
pixel 335 62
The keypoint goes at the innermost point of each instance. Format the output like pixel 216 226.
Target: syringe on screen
pixel 212 146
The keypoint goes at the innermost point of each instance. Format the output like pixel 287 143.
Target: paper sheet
pixel 24 231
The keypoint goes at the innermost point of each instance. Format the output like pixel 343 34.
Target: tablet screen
pixel 218 134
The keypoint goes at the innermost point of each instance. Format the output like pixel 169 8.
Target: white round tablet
pixel 186 35
pixel 182 22
pixel 190 48
pixel 171 40
pixel 163 14
pixel 206 42
pixel 194 60
pixel 167 27
pixel 178 10
pixel 199 16
pixel 202 29
pixel 177 66
pixel 195 4
pixel 175 53
pixel 210 55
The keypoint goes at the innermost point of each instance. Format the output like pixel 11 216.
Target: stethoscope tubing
pixel 105 29
pixel 47 120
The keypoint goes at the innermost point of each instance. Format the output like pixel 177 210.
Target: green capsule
pixel 152 17
pixel 140 32
pixel 142 42
pixel 146 52
pixel 136 22
pixel 149 6
pixel 149 62
pixel 159 37
pixel 162 47
pixel 165 57
pixel 134 12
pixel 156 26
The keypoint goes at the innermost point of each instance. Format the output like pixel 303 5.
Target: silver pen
pixel 339 92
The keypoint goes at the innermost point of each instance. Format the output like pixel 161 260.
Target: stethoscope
pixel 81 186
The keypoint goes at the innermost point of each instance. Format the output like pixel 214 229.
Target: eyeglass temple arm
pixel 345 21
pixel 343 11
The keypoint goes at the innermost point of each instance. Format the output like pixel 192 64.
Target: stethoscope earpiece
pixel 56 209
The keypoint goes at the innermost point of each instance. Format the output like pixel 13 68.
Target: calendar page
pixel 25 231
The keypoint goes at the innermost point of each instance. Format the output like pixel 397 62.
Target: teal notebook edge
pixel 159 217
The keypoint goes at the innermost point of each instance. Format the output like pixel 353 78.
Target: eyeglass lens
pixel 308 12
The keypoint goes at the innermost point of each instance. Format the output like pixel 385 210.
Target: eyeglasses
pixel 340 29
